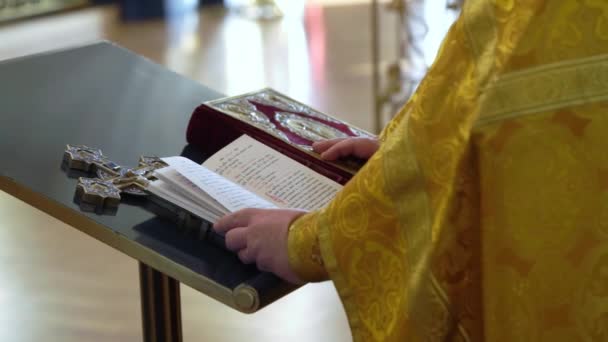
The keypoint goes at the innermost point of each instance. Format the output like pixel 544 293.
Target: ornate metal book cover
pixel 292 122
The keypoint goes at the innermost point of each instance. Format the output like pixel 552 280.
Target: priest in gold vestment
pixel 483 215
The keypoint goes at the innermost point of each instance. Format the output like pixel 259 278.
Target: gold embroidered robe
pixel 484 214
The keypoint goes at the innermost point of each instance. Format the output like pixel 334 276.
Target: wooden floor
pixel 57 284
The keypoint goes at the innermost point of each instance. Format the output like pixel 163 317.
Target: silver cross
pixel 103 192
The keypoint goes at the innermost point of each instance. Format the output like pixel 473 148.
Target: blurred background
pixel 358 60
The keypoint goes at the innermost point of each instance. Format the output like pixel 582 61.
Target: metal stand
pixel 261 10
pixel 160 306
pixel 394 84
pixel 402 74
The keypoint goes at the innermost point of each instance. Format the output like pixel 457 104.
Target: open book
pixel 243 174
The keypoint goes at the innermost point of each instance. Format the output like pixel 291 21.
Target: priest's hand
pixel 333 149
pixel 260 236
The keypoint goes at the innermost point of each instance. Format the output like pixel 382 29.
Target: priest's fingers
pixel 238 219
pixel 358 147
pixel 246 256
pixel 322 146
pixel 236 239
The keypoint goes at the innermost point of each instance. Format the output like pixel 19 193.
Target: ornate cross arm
pixel 104 192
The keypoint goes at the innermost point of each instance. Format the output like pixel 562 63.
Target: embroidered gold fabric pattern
pixel 463 229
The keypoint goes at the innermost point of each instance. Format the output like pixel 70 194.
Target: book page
pixel 168 193
pixel 230 195
pixel 187 189
pixel 272 175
